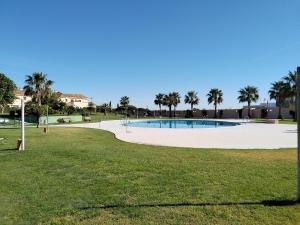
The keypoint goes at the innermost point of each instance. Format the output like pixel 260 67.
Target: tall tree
pixel 192 98
pixel 167 101
pixel 110 106
pixel 175 99
pixel 291 80
pixel 215 96
pixel 279 92
pixel 159 100
pixel 7 89
pixel 103 108
pixel 38 87
pixel 248 94
pixel 124 102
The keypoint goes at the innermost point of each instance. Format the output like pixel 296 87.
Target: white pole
pixel 47 118
pixel 23 124
pixel 298 122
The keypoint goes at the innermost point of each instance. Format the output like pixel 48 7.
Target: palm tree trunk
pixel 160 110
pixel 174 111
pixel 280 113
pixel 215 110
pixel 39 99
pixel 170 111
pixel 192 107
pixel 249 110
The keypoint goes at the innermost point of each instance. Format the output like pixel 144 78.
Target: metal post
pixel 298 122
pixel 47 117
pixel 23 125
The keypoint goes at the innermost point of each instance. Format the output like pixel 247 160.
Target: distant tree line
pixel 280 91
pixel 39 87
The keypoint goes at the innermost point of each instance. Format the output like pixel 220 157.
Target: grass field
pixel 85 176
pixel 285 121
pixel 109 116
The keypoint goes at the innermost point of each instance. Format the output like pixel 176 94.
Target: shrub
pixel 188 114
pixel 221 113
pixel 204 112
pixel 293 114
pixel 60 120
pixel 70 110
pixel 240 112
pixel 264 113
pixel 12 113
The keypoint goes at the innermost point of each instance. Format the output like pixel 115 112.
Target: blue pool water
pixel 191 124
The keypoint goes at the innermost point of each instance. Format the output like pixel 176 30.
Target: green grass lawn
pixel 85 176
pixel 109 116
pixel 285 121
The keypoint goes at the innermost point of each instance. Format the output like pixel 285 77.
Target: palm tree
pixel 167 101
pixel 106 108
pixel 215 96
pixel 124 102
pixel 248 94
pixel 159 101
pixel 279 92
pixel 175 99
pixel 38 87
pixel 191 98
pixel 291 80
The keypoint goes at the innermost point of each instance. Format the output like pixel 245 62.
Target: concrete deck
pixel 245 136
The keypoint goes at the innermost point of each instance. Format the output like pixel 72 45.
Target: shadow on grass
pixel 8 150
pixel 269 203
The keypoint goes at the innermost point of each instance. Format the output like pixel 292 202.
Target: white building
pixel 76 100
pixel 20 94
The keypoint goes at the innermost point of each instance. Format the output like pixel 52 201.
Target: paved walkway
pixel 245 136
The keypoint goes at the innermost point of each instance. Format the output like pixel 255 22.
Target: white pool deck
pixel 245 136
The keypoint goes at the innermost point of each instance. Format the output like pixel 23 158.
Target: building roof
pixel 77 96
pixel 19 92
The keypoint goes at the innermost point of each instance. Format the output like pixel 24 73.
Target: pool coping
pixel 248 135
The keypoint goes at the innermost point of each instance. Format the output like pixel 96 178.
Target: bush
pixel 188 114
pixel 60 120
pixel 86 114
pixel 264 113
pixel 240 112
pixel 64 120
pixel 221 113
pixel 12 113
pixel 293 114
pixel 70 110
pixel 204 112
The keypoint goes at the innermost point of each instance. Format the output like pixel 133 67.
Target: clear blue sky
pixel 107 49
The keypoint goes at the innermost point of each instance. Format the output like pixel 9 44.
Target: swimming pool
pixel 187 124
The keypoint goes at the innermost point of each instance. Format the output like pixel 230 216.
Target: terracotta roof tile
pixel 19 92
pixel 77 96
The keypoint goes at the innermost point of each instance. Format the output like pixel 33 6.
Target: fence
pixel 229 113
